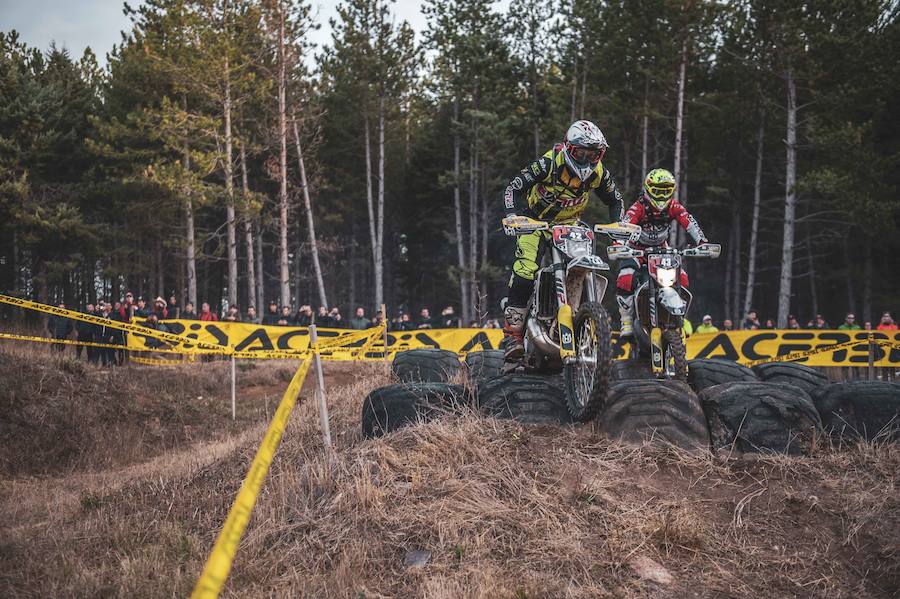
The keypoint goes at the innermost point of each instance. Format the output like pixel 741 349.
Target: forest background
pixel 219 156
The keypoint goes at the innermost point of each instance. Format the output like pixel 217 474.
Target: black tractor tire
pixel 425 366
pixel 675 343
pixel 665 411
pixel 392 407
pixel 860 410
pixel 792 373
pixel 704 373
pixel 600 378
pixel 485 364
pixel 526 398
pixel 633 369
pixel 757 417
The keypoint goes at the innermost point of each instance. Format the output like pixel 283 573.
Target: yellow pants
pixel 528 249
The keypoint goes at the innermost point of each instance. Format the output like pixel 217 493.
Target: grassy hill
pixel 115 483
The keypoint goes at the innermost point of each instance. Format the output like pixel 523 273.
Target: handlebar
pixel 705 250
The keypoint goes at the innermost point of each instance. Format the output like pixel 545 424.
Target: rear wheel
pixel 587 379
pixel 675 356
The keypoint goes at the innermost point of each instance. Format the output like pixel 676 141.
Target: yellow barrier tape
pixel 113 324
pixel 218 565
pixel 794 356
pixel 65 342
pixel 154 361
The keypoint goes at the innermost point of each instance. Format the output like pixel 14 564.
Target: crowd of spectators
pixel 155 313
pixel 752 322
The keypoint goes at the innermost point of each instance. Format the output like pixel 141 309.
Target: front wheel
pixel 588 377
pixel 674 355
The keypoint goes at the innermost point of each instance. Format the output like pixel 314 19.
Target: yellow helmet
pixel 659 187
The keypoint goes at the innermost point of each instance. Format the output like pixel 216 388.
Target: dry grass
pixel 504 510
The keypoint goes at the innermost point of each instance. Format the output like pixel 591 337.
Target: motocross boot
pixel 514 328
pixel 626 311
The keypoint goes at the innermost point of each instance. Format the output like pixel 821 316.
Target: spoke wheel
pixel 674 356
pixel 588 377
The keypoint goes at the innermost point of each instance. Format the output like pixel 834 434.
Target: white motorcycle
pixel 562 332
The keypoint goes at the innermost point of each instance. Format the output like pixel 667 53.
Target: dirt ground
pixel 115 483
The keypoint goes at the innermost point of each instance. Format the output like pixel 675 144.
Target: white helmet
pixel 584 148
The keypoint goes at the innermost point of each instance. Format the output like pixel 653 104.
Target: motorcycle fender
pixel 566 332
pixel 672 302
pixel 656 359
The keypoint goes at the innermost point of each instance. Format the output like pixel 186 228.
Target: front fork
pixel 564 312
pixel 656 351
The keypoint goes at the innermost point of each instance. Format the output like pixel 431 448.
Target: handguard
pixel 622 252
pixel 625 232
pixel 704 250
pixel 522 225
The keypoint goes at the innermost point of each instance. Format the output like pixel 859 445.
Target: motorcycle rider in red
pixel 654 210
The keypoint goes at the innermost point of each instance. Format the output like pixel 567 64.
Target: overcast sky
pixel 76 24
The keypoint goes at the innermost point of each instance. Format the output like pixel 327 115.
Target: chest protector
pixel 655 226
pixel 561 197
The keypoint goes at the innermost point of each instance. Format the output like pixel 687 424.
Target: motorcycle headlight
pixel 665 277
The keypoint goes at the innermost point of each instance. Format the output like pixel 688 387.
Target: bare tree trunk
pixel 191 248
pixel 370 198
pixel 310 220
pixel 16 268
pixel 679 115
pixel 457 205
pixel 407 135
pixel 574 91
pixel 583 91
pixel 260 274
pixel 473 221
pixel 284 269
pixel 729 274
pixel 867 283
pixel 379 245
pixel 676 233
pixel 484 246
pixel 850 279
pixel 534 100
pixel 754 223
pixel 790 203
pixel 353 266
pixel 229 193
pixel 645 127
pixel 248 233
pixel 736 276
pixel 814 298
pixel 160 270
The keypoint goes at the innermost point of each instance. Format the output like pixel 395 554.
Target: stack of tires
pixel 775 408
pixel 426 390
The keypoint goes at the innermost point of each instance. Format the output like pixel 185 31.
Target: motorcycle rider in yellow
pixel 554 188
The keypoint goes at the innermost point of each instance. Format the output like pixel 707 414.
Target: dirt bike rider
pixel 654 210
pixel 554 188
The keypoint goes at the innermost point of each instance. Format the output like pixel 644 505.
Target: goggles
pixel 586 155
pixel 660 192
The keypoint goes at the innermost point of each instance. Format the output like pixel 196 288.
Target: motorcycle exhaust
pixel 540 338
